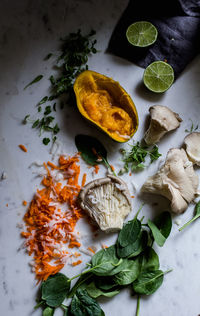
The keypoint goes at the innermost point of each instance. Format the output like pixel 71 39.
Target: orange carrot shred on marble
pixel 96 169
pixel 83 179
pixel 90 249
pixel 104 246
pixel 22 147
pixel 132 196
pixel 112 168
pixel 50 164
pixel 76 263
pixel 130 174
pixel 24 203
pixel 51 219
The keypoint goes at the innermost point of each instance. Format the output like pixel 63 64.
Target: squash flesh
pixel 104 102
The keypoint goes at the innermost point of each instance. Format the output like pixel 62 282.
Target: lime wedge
pixel 158 76
pixel 141 34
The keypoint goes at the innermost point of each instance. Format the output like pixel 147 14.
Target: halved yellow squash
pixel 104 102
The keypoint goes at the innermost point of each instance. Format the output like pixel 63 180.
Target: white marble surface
pixel 29 30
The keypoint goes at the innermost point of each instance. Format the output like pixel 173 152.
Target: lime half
pixel 141 34
pixel 158 76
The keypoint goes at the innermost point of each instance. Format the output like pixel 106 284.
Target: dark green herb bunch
pixel 73 59
pixel 131 261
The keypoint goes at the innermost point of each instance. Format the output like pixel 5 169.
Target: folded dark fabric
pixel 178 25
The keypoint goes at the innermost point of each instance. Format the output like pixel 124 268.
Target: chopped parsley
pixel 135 158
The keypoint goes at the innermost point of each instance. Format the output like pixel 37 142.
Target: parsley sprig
pixel 135 158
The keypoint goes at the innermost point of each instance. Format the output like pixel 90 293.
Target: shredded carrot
pixel 50 164
pixel 132 196
pixel 24 203
pixel 130 174
pixel 90 249
pixel 112 168
pixel 22 147
pixel 51 219
pixel 104 246
pixel 84 180
pixel 96 169
pixel 76 263
pixel 7 204
pixel 96 154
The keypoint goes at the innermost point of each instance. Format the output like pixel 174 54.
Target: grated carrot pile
pixel 51 219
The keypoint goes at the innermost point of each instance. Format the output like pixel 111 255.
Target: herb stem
pixel 188 223
pixel 138 306
pixel 108 166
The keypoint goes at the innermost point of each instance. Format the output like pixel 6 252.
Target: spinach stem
pixel 39 304
pixel 138 306
pixel 188 223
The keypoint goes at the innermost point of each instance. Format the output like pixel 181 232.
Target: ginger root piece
pixel 192 143
pixel 107 201
pixel 162 121
pixel 176 180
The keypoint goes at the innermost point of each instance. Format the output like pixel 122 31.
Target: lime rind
pixel 141 34
pixel 158 76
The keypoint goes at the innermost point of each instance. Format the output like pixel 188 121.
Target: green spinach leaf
pixel 84 305
pixel 95 292
pixel 148 282
pixel 161 228
pixel 55 289
pixel 150 260
pixel 48 311
pixel 134 249
pixel 129 233
pixel 129 273
pixel 197 215
pixel 105 261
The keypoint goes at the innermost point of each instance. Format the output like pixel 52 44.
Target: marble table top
pixel 29 31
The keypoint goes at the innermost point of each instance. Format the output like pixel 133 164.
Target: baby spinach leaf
pixel 148 282
pixel 105 261
pixel 129 273
pixel 55 289
pixel 150 260
pixel 105 283
pixel 84 305
pixel 95 292
pixel 161 227
pixel 92 151
pixel 158 237
pixel 38 78
pixel 164 223
pixel 48 311
pixel 129 233
pixel 197 215
pixel 134 249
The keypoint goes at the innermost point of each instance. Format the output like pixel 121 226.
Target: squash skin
pixel 90 82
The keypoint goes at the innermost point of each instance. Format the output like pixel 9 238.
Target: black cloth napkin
pixel 178 25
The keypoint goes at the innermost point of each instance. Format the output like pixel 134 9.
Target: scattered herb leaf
pixel 45 140
pixel 48 56
pixel 38 78
pixel 36 123
pixel 26 119
pixel 47 110
pixel 192 127
pixel 43 100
